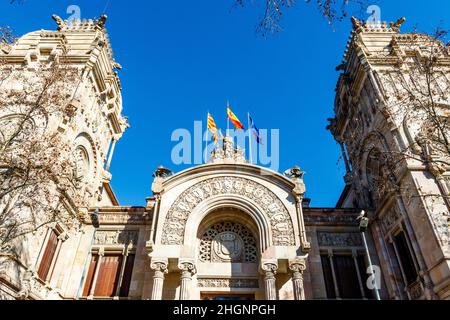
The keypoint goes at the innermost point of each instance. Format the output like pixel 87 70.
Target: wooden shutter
pixel 108 276
pixel 90 276
pixel 328 277
pixel 47 257
pixel 347 278
pixel 126 278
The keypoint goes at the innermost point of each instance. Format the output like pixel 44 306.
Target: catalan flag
pixel 234 119
pixel 212 127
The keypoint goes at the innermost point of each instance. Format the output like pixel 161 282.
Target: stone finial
pixel 162 172
pixel 160 175
pixel 294 172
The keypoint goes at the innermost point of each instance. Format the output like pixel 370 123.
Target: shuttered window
pixel 108 279
pixel 126 279
pixel 108 276
pixel 346 276
pixel 328 277
pixel 48 256
pixel 90 275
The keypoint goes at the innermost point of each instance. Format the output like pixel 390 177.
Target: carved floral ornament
pixel 227 283
pixel 339 239
pixel 273 209
pixel 112 237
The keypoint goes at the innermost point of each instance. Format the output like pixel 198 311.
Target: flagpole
pixel 249 138
pixel 206 140
pixel 228 120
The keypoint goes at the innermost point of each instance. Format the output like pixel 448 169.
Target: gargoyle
pixel 396 25
pixel 60 22
pixel 356 23
pixel 101 21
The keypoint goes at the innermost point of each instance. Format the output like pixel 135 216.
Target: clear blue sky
pixel 182 58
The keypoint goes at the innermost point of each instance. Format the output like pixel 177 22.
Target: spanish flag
pixel 234 119
pixel 212 127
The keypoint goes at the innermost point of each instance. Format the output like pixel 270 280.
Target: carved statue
pixel 60 22
pixel 356 23
pixel 101 21
pixel 162 172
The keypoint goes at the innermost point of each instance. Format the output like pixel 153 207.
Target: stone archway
pixel 264 204
pixel 228 256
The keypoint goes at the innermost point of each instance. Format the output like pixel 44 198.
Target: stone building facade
pixel 229 229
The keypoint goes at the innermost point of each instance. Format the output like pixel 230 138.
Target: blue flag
pixel 254 130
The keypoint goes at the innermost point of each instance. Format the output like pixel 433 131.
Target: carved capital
pixel 159 266
pixel 269 269
pixel 187 269
pixel 297 266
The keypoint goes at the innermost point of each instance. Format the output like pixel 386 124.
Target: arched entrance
pixel 227 256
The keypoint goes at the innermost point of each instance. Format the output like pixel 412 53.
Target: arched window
pixel 373 169
pixel 84 158
pixel 82 163
pixel 374 175
pixel 228 241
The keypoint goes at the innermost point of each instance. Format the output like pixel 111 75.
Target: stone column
pixel 187 271
pixel 297 268
pixel 270 269
pixel 159 269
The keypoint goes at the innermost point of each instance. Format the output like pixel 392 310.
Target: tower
pixel 391 121
pixel 62 94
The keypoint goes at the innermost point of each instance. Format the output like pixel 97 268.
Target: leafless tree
pixel 38 177
pixel 273 12
pixel 416 90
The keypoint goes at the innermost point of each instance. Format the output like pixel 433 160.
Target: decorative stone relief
pixel 416 290
pixel 121 218
pixel 339 239
pixel 273 208
pixel 227 283
pixel 228 242
pixel 116 237
pixel 390 218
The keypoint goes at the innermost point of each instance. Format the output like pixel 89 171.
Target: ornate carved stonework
pixel 273 208
pixel 339 239
pixel 116 237
pixel 227 247
pixel 227 283
pixel 228 242
pixel 121 218
pixel 390 218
